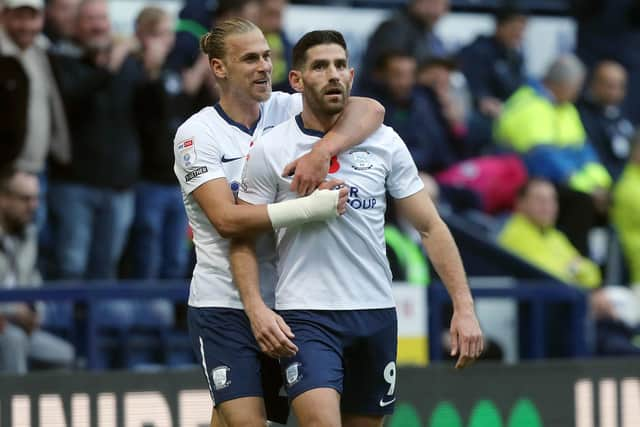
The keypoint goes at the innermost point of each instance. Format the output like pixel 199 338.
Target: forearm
pixel 241 219
pixel 233 220
pixel 244 266
pixel 360 118
pixel 446 260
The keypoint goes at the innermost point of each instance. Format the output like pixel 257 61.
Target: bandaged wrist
pixel 321 205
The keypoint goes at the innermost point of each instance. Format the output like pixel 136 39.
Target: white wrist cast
pixel 321 205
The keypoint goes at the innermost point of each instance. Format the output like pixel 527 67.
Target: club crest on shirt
pixel 292 373
pixel 361 159
pixel 220 377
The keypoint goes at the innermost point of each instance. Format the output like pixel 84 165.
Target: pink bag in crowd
pixel 496 179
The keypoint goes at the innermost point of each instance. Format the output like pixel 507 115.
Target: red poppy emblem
pixel 334 165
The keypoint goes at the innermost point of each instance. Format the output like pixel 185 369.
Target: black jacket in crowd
pixel 99 106
pixel 491 69
pixel 610 132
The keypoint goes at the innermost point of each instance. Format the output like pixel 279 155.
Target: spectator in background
pixel 60 24
pixel 494 65
pixel 409 30
pixel 610 30
pixel 428 118
pixel 608 128
pixel 92 199
pixel 160 225
pixel 541 123
pixel 531 234
pixel 245 9
pixel 194 19
pixel 438 76
pixel 415 113
pixel 47 131
pixel 412 114
pixel 46 126
pixel 626 211
pixel 270 22
pixel 21 338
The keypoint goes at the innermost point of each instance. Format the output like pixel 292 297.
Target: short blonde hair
pixel 213 42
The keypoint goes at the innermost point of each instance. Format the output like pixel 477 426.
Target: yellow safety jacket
pixel 550 251
pixel 626 217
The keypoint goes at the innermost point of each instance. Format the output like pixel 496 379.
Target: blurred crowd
pixel 87 189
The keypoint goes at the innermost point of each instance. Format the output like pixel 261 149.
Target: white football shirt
pixel 208 146
pixel 341 264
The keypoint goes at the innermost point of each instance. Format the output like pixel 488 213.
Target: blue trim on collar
pixel 232 122
pixel 307 131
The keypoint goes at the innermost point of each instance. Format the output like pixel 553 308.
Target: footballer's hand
pixel 309 170
pixel 272 333
pixel 337 184
pixel 466 338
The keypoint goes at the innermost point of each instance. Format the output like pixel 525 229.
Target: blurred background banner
pixel 602 393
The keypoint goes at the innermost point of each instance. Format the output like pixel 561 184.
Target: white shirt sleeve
pixel 197 156
pixel 259 180
pixel 403 179
pixel 291 103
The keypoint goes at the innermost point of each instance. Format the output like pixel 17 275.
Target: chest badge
pixel 361 159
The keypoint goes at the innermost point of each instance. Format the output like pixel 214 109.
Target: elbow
pixel 226 228
pixel 369 106
pixel 378 110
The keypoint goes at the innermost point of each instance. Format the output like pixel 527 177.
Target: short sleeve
pixel 291 104
pixel 403 179
pixel 197 156
pixel 259 180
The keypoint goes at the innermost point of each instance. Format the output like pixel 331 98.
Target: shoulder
pixel 201 122
pixel 526 98
pixel 384 132
pixel 514 229
pixel 386 135
pixel 202 126
pixel 273 141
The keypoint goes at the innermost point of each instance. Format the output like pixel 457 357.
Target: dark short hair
pixel 448 62
pixel 315 38
pixel 508 11
pixel 230 6
pixel 531 181
pixel 383 60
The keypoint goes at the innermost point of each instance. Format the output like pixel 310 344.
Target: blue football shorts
pixel 232 361
pixel 351 351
